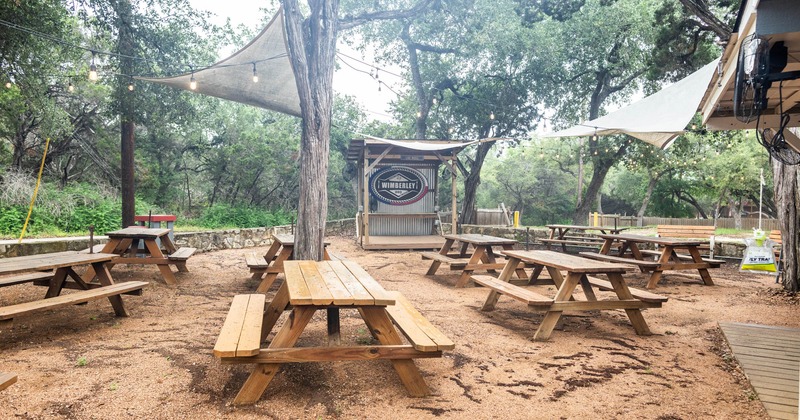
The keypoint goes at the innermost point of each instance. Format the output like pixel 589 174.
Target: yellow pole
pixel 595 219
pixel 35 191
pixel 516 219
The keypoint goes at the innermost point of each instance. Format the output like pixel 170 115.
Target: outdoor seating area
pixel 273 349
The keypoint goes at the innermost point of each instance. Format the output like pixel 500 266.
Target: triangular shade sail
pixel 656 119
pixel 232 78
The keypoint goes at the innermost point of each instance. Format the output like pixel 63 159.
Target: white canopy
pixel 656 119
pixel 232 78
pixel 426 146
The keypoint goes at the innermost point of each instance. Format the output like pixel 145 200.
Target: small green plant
pixel 82 361
pixel 113 386
pixel 364 337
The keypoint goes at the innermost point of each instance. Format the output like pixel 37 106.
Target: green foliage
pixel 223 216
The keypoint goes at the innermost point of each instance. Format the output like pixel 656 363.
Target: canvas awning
pixel 232 78
pixel 356 145
pixel 656 119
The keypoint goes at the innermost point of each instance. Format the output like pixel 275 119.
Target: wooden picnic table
pixel 271 264
pixel 559 235
pixel 578 271
pixel 141 245
pixel 667 257
pixel 38 270
pixel 311 286
pixel 482 257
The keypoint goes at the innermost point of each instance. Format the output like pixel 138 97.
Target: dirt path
pixel 82 362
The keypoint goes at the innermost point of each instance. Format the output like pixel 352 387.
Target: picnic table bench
pixel 312 286
pixel 56 271
pixel 6 380
pixel 482 257
pixel 271 263
pixel 666 257
pixel 141 245
pixel 578 270
pixel 558 236
pixel 703 233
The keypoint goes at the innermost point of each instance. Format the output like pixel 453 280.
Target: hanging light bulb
pixel 435 101
pixel 491 115
pixel 8 85
pixel 92 70
pixel 192 82
pixel 450 130
pixel 419 114
pixel 694 126
pixel 70 87
pixel 255 74
pixel 130 86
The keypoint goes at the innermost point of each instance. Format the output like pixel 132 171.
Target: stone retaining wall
pixel 203 241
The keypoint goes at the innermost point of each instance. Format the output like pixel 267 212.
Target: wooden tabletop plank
pixel 651 240
pixel 373 287
pixel 250 339
pixel 320 294
pixel 138 232
pixel 567 262
pixel 296 284
pixel 357 290
pixel 341 295
pixel 477 239
pixel 49 261
pixel 288 239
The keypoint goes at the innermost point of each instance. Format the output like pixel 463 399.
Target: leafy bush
pixel 222 216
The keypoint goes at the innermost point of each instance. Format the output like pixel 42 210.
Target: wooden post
pixel 365 182
pixel 454 205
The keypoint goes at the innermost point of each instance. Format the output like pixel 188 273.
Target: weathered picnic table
pixel 559 236
pixel 667 257
pixel 482 257
pixel 271 263
pixel 578 271
pixel 140 245
pixel 311 286
pixel 38 269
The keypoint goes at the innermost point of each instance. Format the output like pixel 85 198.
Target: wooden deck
pixel 404 242
pixel 770 358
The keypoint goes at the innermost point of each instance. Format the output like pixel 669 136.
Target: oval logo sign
pixel 398 185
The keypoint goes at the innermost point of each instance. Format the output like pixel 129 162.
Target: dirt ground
pixel 81 362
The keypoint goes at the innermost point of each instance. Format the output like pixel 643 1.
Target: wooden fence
pixel 725 223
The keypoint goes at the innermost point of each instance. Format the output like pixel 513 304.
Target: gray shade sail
pixel 656 119
pixel 232 78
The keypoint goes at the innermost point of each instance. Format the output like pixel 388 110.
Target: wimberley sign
pixel 398 185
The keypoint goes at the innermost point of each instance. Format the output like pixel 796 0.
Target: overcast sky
pixel 345 81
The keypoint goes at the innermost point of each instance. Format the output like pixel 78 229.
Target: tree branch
pixel 349 22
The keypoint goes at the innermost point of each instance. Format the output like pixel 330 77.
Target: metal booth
pixel 397 187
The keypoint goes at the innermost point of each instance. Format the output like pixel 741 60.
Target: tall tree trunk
pixel 471 183
pixel 647 195
pixel 787 199
pixel 579 189
pixel 599 172
pixel 421 123
pixel 312 48
pixel 126 49
pixel 736 207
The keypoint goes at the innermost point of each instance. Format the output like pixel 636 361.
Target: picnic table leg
pixel 109 248
pixel 279 304
pixel 448 243
pixel 334 327
pixel 666 254
pixel 505 275
pixel 262 374
pixel 171 248
pixel 588 291
pixel 519 270
pixel 634 314
pixel 275 268
pixel 537 271
pixel 272 251
pixel 697 258
pixel 155 252
pixel 463 281
pixel 552 317
pixel 56 283
pixel 637 254
pixel 378 321
pixel 105 279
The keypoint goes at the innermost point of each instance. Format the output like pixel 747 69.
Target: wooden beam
pixel 379 159
pixel 327 354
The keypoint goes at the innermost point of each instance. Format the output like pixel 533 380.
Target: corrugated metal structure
pixel 398 181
